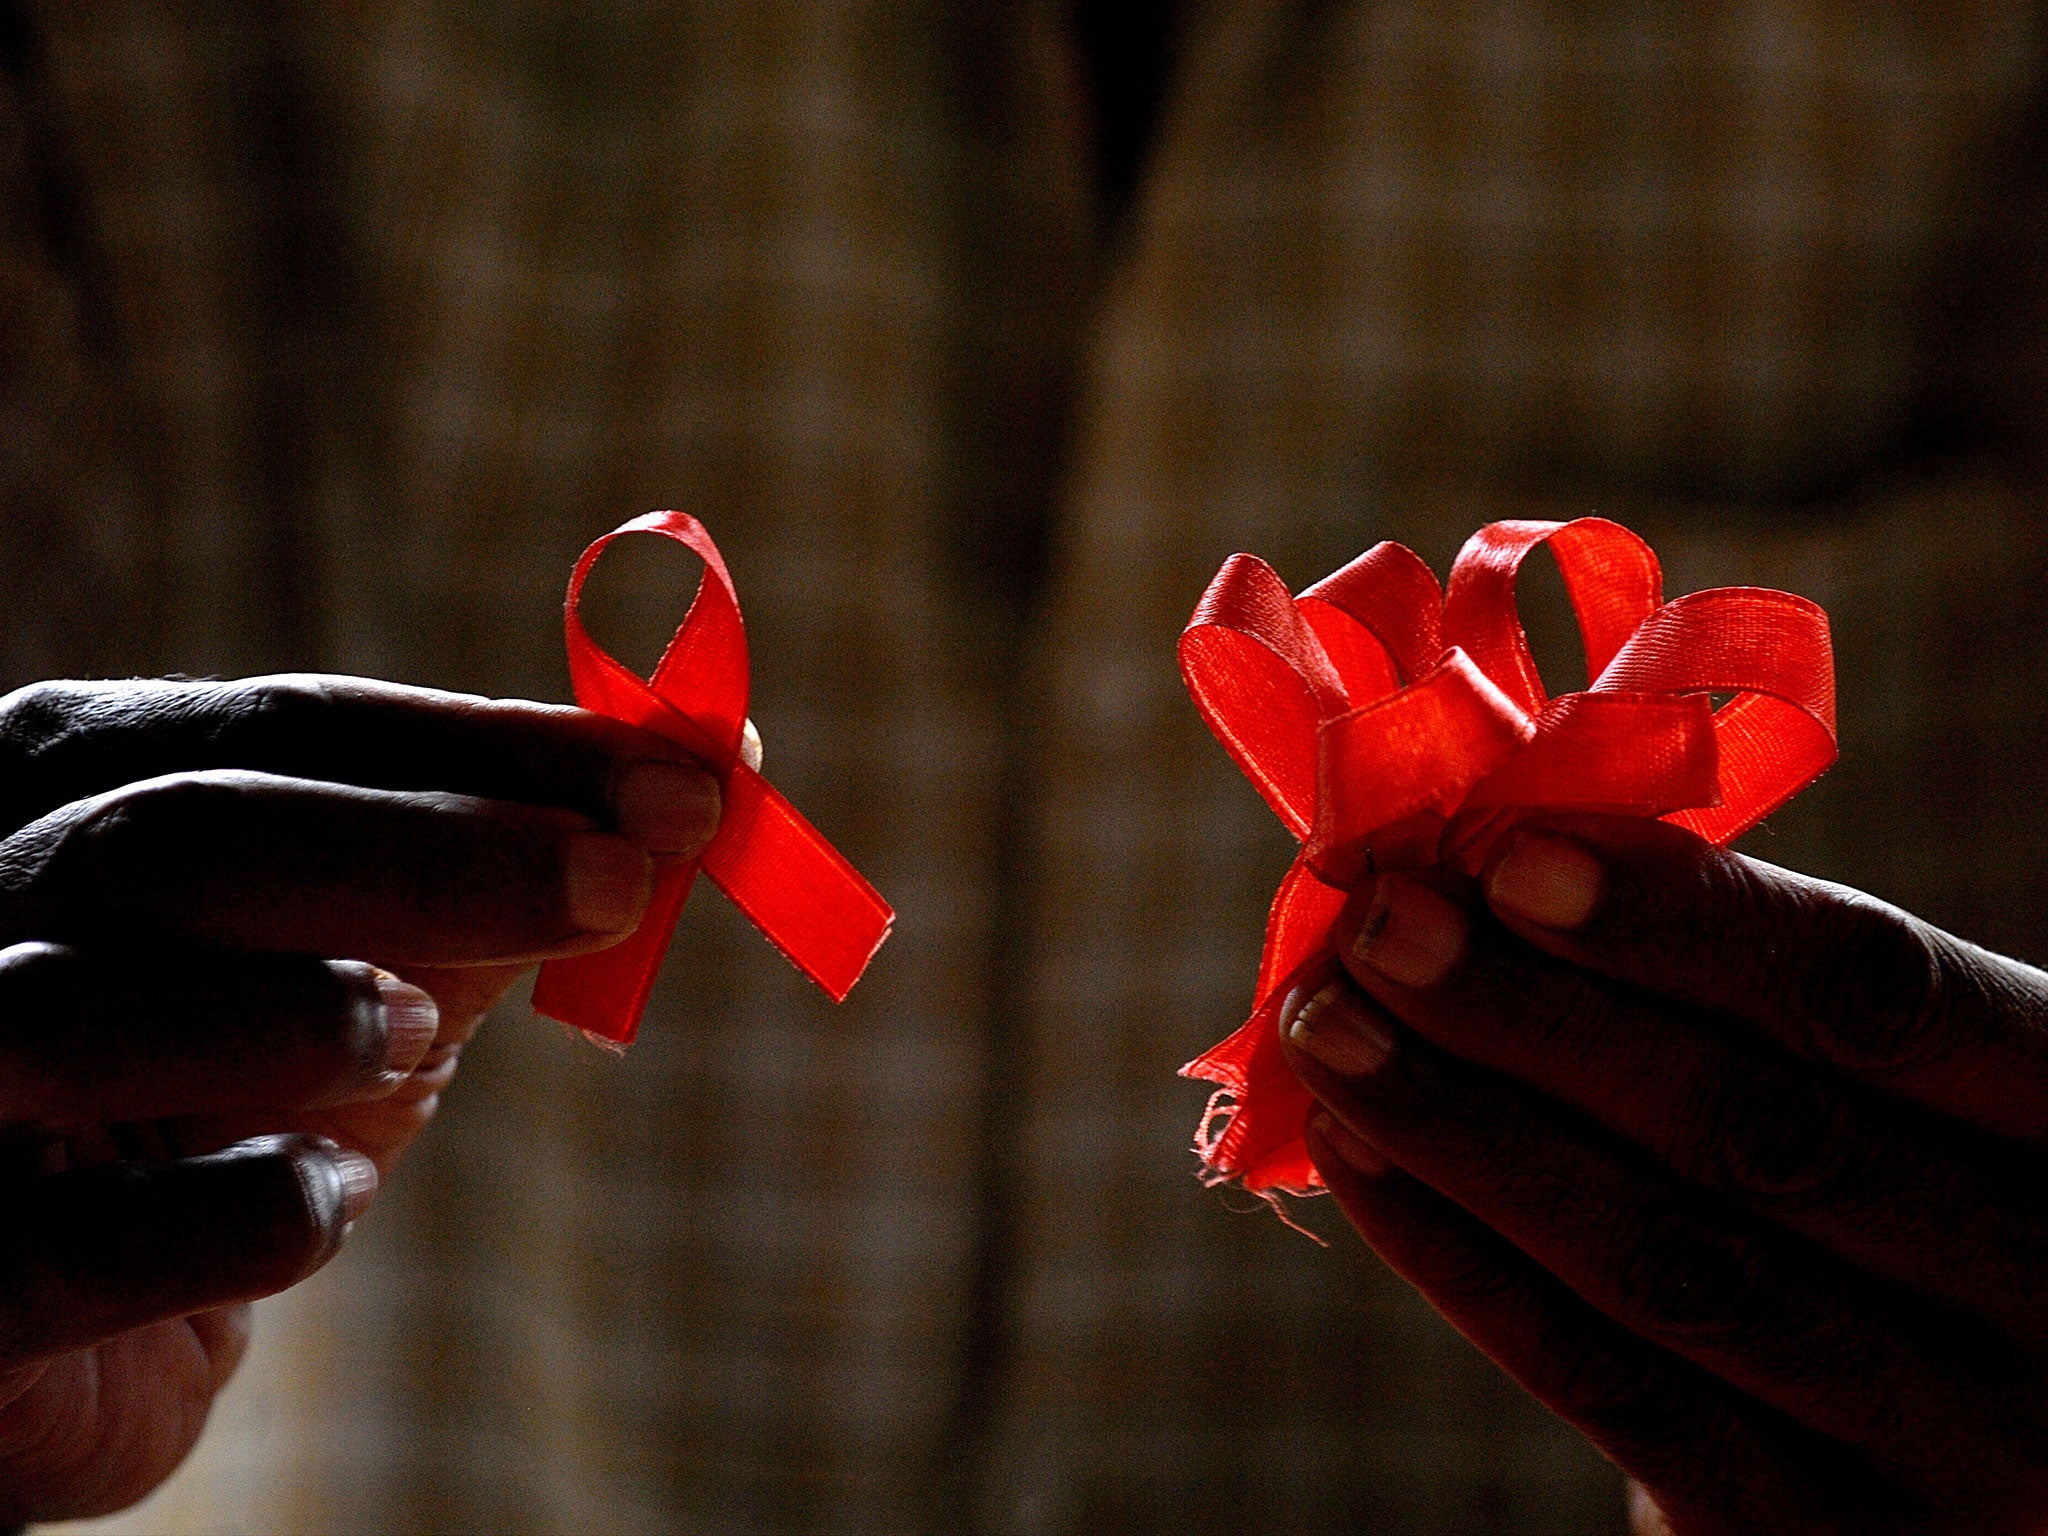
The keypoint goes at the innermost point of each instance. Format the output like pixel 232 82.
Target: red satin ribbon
pixel 776 867
pixel 1391 725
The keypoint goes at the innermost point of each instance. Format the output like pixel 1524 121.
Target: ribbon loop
pixel 1380 618
pixel 1390 724
pixel 1773 652
pixel 1611 576
pixel 777 868
pixel 1262 681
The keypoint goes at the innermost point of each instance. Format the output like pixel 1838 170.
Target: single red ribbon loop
pixel 1392 725
pixel 777 868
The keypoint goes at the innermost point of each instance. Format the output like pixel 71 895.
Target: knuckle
pixel 1774 1129
pixel 1565 1016
pixel 41 714
pixel 139 823
pixel 1690 1274
pixel 177 807
pixel 1620 1398
pixel 122 849
pixel 1461 1280
pixel 36 724
pixel 1875 1004
pixel 283 706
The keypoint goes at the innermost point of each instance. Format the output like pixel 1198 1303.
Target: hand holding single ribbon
pixel 777 868
pixel 1391 725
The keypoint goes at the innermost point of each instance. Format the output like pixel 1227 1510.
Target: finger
pixel 243 861
pixel 98 1037
pixel 91 1254
pixel 463 994
pixel 384 1126
pixel 1763 1311
pixel 1722 1461
pixel 1644 1516
pixel 1828 973
pixel 381 1129
pixel 61 742
pixel 1897 1191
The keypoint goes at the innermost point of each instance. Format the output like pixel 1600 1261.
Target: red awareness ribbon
pixel 1392 725
pixel 777 868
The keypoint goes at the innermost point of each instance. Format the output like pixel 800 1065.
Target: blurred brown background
pixel 979 334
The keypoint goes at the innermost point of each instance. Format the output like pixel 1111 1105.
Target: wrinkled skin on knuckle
pixel 282 713
pixel 132 850
pixel 1686 1274
pixel 34 718
pixel 73 739
pixel 1686 887
pixel 36 866
pixel 1876 1004
pixel 1562 1014
pixel 1622 1401
pixel 1460 1280
pixel 39 725
pixel 156 726
pixel 1772 1129
pixel 65 741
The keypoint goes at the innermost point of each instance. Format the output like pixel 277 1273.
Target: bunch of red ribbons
pixel 1391 725
pixel 776 867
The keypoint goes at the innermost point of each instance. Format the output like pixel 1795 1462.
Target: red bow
pixel 1391 725
pixel 776 867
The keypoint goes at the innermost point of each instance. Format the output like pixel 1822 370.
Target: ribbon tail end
pixel 796 887
pixel 836 989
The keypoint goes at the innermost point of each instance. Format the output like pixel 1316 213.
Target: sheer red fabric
pixel 777 868
pixel 1392 725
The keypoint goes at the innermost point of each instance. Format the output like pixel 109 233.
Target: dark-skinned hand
pixel 1739 1172
pixel 209 894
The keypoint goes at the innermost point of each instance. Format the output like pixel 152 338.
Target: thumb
pixel 89 1254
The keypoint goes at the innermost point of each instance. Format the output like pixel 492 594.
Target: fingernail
pixel 667 807
pixel 750 746
pixel 606 882
pixel 1548 880
pixel 411 1020
pixel 1357 1152
pixel 358 1181
pixel 1335 1028
pixel 1412 935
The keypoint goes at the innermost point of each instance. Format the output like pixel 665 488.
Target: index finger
pixel 67 741
pixel 1829 973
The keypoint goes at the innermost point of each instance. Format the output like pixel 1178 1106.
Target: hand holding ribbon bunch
pixel 777 868
pixel 1393 725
